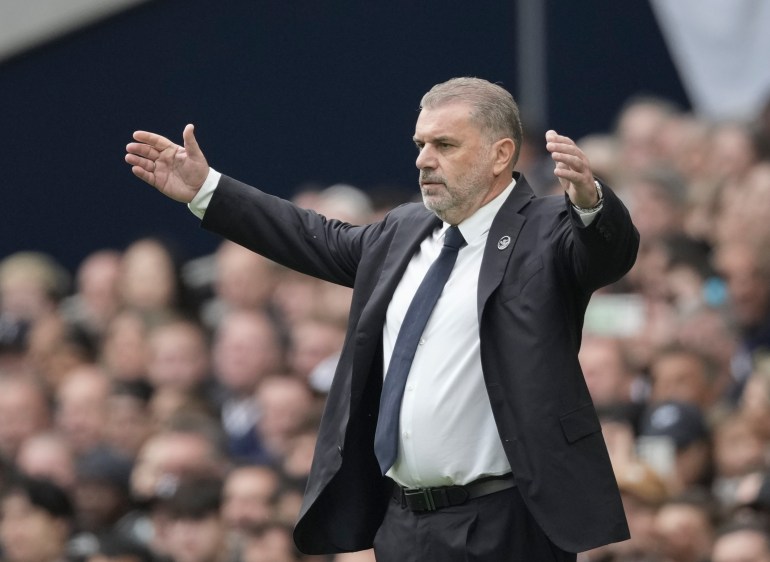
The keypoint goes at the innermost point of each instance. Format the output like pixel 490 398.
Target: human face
pixel 248 495
pixel 196 540
pixel 741 546
pixel 29 533
pixel 456 162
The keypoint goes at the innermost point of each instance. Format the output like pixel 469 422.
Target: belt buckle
pixel 425 494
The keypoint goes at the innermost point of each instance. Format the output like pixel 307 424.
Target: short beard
pixel 456 200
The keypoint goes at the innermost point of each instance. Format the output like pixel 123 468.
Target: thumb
pixel 190 143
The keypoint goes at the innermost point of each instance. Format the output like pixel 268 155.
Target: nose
pixel 426 158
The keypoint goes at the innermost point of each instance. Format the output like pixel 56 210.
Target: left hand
pixel 572 169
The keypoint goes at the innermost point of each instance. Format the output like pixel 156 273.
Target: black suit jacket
pixel 532 295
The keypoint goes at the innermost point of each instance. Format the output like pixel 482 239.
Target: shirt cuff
pixel 586 216
pixel 200 202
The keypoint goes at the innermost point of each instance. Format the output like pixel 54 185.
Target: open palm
pixel 176 171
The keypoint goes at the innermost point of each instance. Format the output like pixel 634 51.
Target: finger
pixel 574 162
pixel 190 142
pixel 569 148
pixel 553 136
pixel 143 174
pixel 143 163
pixel 154 140
pixel 144 150
pixel 569 174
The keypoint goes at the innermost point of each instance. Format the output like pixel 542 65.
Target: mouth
pixel 428 181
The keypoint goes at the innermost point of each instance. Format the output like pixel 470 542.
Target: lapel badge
pixel 503 243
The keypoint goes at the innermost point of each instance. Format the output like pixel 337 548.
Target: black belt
pixel 431 499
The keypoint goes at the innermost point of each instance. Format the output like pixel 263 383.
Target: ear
pixel 503 151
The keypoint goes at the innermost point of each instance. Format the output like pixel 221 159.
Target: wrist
pixel 596 206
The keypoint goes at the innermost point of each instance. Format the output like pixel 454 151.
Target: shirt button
pixel 406 435
pixel 422 341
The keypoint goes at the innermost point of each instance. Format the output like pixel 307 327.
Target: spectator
pixel 296 296
pixel 608 375
pixel 248 498
pixel 246 349
pixel 678 431
pixel 124 349
pixel 24 411
pixel 755 399
pixel 189 447
pixel 733 151
pixel 658 203
pixel 684 529
pixel 129 421
pixel 95 300
pixel 683 375
pixel 56 347
pixel 298 459
pixel 311 341
pixel 738 452
pixel 747 273
pixel 48 455
pixel 178 355
pixel 114 548
pixel 36 521
pixel 31 285
pixel 270 542
pixel 742 543
pixel 193 530
pixel 243 280
pixel 150 280
pixel 81 408
pixel 101 494
pixel 285 405
pixel 168 403
pixel 641 121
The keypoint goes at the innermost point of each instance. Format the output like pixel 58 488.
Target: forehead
pixel 449 119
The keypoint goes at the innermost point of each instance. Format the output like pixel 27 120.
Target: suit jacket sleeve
pixel 298 238
pixel 604 251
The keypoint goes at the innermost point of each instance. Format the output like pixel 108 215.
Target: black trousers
pixel 493 528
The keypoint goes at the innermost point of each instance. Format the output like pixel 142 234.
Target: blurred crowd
pixel 153 411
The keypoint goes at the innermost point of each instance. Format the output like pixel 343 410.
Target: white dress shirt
pixel 447 432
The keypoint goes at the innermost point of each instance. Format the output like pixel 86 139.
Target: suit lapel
pixel 501 240
pixel 407 238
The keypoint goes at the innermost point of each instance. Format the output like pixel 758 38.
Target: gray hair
pixel 494 108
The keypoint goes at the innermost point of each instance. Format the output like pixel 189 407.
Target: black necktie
pixel 420 309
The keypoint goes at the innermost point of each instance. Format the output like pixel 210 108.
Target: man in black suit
pixel 497 452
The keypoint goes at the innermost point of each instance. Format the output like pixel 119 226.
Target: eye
pixel 418 146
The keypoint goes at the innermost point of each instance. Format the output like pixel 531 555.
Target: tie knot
pixel 453 238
